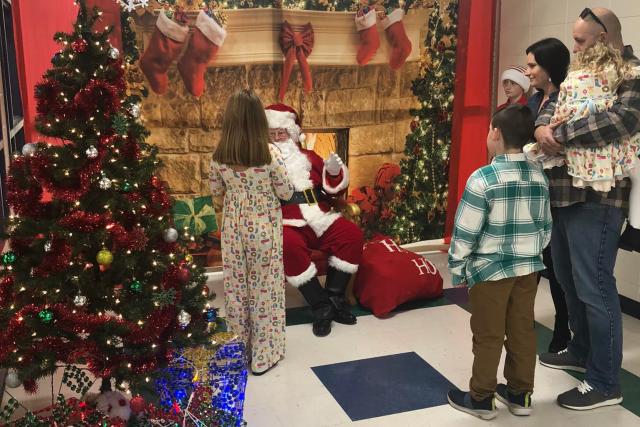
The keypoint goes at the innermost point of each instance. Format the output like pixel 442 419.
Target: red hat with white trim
pixel 285 117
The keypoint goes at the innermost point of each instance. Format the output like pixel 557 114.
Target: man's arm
pixel 600 129
pixel 469 221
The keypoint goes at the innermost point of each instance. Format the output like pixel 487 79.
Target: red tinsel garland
pixel 86 222
pixel 97 94
pixel 56 260
pixel 134 239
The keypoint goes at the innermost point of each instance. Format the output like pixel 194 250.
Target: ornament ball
pixel 29 149
pixel 183 275
pixel 184 318
pixel 92 152
pixel 114 53
pixel 170 235
pixel 137 404
pixel 104 257
pixel 80 300
pixel 12 380
pixel 105 183
pixel 46 315
pixel 8 258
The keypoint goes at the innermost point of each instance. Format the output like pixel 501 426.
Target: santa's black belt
pixel 310 197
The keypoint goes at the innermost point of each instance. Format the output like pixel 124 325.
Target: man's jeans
pixel 584 245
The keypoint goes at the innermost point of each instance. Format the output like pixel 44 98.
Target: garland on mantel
pixel 179 7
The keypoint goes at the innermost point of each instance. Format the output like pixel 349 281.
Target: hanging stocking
pixel 205 41
pixel 400 44
pixel 163 49
pixel 369 38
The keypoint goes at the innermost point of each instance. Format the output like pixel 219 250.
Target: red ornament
pixel 414 125
pixel 79 45
pixel 443 116
pixel 183 276
pixel 441 46
pixel 137 404
pixel 30 386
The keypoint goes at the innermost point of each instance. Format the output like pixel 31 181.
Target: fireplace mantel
pixel 253 36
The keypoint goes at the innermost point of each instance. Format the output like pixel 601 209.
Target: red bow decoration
pixel 295 45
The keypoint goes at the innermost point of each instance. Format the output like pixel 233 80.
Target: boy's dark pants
pixel 499 308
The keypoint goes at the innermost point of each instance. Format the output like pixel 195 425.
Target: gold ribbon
pixel 199 224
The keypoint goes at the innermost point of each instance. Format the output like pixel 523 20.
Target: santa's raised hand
pixel 333 164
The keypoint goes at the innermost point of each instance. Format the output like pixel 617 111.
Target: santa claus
pixel 310 223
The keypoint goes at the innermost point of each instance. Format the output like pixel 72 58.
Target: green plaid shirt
pixel 503 222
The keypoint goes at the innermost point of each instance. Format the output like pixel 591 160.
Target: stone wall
pixel 372 101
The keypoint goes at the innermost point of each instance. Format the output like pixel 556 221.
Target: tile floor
pixel 392 372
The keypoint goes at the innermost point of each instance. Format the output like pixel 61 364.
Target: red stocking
pixel 163 49
pixel 369 39
pixel 400 44
pixel 207 38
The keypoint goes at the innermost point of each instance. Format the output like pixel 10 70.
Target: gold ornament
pixel 188 258
pixel 104 257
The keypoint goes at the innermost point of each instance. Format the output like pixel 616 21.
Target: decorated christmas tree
pixel 96 274
pixel 419 210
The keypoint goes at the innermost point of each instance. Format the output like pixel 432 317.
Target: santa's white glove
pixel 333 164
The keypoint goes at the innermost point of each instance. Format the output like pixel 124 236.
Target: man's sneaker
pixel 562 360
pixel 519 404
pixel 462 401
pixel 585 397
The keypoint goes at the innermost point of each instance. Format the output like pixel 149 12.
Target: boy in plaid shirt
pixel 502 225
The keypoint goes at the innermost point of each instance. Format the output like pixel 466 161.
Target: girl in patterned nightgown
pixel 248 170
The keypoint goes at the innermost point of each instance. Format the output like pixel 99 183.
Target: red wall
pixel 35 23
pixel 472 102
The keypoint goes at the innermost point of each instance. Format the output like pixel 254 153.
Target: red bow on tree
pixel 295 45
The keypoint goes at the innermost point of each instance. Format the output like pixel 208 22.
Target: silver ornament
pixel 135 110
pixel 114 53
pixel 170 235
pixel 80 300
pixel 105 183
pixel 184 318
pixel 29 149
pixel 92 152
pixel 47 246
pixel 12 380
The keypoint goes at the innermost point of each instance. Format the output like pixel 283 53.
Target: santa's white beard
pixel 297 164
pixel 287 148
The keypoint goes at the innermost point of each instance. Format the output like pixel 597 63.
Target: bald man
pixel 586 229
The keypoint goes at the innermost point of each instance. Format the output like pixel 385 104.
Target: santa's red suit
pixel 310 223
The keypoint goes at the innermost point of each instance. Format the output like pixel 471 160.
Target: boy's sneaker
pixel 585 397
pixel 562 360
pixel 462 401
pixel 519 404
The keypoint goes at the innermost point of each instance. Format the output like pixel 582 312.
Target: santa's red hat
pixel 285 117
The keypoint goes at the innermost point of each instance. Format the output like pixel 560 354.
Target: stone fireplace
pixel 369 106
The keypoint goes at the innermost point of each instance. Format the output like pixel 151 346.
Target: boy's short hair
pixel 516 124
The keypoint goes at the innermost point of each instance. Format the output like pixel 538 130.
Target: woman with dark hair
pixel 547 65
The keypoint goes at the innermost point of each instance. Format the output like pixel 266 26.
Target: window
pixel 11 114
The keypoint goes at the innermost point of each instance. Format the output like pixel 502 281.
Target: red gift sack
pixel 389 276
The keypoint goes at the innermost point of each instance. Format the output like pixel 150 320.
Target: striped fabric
pixel 502 224
pixel 597 130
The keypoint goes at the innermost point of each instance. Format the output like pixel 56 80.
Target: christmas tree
pixel 96 274
pixel 419 210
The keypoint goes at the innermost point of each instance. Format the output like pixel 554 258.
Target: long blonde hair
pixel 599 57
pixel 245 132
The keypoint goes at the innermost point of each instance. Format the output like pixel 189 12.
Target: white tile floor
pixel 291 394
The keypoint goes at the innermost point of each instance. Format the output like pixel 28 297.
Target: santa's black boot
pixel 630 239
pixel 321 306
pixel 336 285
